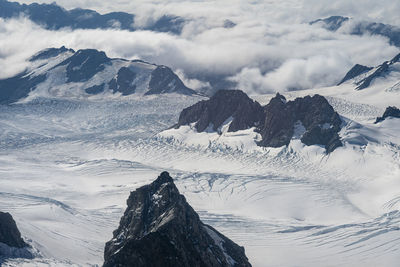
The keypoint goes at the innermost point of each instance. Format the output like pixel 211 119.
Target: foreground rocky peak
pixel 159 228
pixel 312 119
pixel 9 233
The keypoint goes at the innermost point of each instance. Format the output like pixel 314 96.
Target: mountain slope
pixel 159 228
pixel 62 72
pixel 362 77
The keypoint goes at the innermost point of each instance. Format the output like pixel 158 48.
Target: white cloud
pixel 269 49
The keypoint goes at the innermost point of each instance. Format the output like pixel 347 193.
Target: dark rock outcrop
pixel 275 122
pixel 320 121
pixel 9 233
pixel 365 81
pixel 160 229
pixel 84 64
pixel 123 82
pixel 224 105
pixel 389 112
pixel 354 72
pixel 164 80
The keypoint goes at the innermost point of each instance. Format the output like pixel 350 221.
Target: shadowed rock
pixel 354 72
pixel 9 233
pixel 389 112
pixel 159 228
pixel 225 105
pixel 164 80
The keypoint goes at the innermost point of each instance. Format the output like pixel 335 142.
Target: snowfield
pixel 67 167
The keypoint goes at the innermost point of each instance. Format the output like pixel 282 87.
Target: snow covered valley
pixel 67 167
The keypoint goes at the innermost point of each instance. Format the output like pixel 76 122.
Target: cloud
pixel 270 49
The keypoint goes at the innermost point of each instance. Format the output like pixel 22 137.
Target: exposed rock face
pixel 164 80
pixel 275 122
pixel 354 72
pixel 389 112
pixel 84 64
pixel 9 233
pixel 124 82
pixel 159 228
pixel 364 81
pixel 224 105
pixel 319 119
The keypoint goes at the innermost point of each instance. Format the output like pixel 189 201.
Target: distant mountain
pixel 58 72
pixel 334 23
pixel 159 228
pixel 312 119
pixel 54 17
pixel 362 76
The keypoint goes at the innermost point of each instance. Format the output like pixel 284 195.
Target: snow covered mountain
pixel 62 72
pixel 54 17
pixel 388 72
pixel 159 228
pixel 335 23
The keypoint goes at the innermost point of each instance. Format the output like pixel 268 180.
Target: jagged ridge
pixel 275 121
pixel 159 228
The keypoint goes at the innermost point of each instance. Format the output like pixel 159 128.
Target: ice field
pixel 67 167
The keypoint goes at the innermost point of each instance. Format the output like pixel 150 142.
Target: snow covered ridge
pixel 62 72
pixel 159 228
pixel 232 113
pixel 363 77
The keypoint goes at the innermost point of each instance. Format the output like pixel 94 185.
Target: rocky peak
pixel 389 112
pixel 354 72
pixel 164 80
pixel 276 122
pixel 159 228
pixel 226 105
pixel 84 64
pixel 9 233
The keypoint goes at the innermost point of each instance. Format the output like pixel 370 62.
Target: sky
pixel 272 48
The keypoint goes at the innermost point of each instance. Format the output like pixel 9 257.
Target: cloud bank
pixel 270 49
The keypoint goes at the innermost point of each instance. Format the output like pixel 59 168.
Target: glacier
pixel 68 165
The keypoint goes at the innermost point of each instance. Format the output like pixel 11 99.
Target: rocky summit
pixel 389 112
pixel 312 119
pixel 159 228
pixel 226 106
pixel 9 233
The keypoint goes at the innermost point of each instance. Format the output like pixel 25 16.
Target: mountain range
pixel 335 23
pixel 64 72
pixel 54 17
